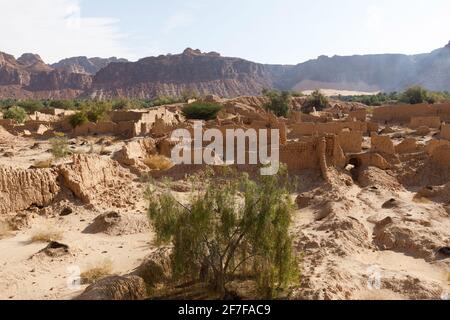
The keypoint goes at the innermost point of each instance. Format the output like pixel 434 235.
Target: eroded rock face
pixel 85 65
pixel 116 288
pixel 172 75
pixel 21 189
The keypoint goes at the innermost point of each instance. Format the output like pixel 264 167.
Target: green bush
pixel 217 241
pixel 97 110
pixel 78 119
pixel 31 106
pixel 279 102
pixel 59 146
pixel 414 95
pixel 15 113
pixel 62 104
pixel 316 100
pixel 201 110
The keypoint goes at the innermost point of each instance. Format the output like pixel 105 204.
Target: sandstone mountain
pixel 84 64
pixel 171 75
pixel 210 73
pixel 30 77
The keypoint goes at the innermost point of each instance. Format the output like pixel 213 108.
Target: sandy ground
pixel 373 273
pixel 23 276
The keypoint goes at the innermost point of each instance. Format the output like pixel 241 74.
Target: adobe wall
pixel 430 122
pixel 359 115
pixel 350 141
pixel 300 155
pixel 21 189
pixel 443 111
pixel 310 128
pixel 382 144
pixel 433 144
pixel 441 155
pixel 95 129
pixel 445 131
pixel 408 145
pixel 404 112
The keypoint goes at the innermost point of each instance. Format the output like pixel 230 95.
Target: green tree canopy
pixel 232 226
pixel 279 102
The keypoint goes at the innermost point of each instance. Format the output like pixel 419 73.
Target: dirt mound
pixel 438 193
pixel 21 189
pixel 156 268
pixel 116 288
pixel 409 236
pixel 375 177
pixel 54 250
pixel 116 224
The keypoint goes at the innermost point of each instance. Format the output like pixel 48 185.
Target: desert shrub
pixel 316 100
pixel 189 94
pixel 201 110
pixel 158 162
pixel 60 146
pixel 97 110
pixel 279 102
pixel 47 233
pixel 232 227
pixel 7 103
pixel 126 104
pixel 414 95
pixel 31 106
pixel 5 229
pixel 96 273
pixel 78 119
pixel 62 104
pixel 15 113
pixel 43 164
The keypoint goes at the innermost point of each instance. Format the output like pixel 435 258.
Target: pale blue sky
pixel 268 31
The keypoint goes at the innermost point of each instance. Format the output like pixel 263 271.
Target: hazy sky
pixel 269 31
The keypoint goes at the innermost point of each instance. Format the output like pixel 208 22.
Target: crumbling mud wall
pixel 408 145
pixel 430 122
pixel 445 131
pixel 382 144
pixel 21 189
pixel 369 159
pixel 311 128
pixel 350 141
pixel 405 112
pixel 88 175
pixel 320 153
pixel 441 156
pixel 359 115
pixel 433 144
pixel 300 155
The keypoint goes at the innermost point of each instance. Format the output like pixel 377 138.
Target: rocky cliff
pixel 210 73
pixel 84 64
pixel 205 73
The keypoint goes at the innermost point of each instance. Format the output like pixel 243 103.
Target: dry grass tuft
pixel 419 199
pixel 43 164
pixel 96 273
pixel 158 162
pixel 47 233
pixel 5 229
